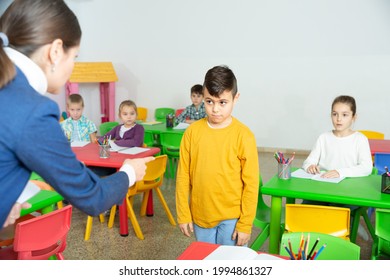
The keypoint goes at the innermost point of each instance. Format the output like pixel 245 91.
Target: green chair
pixel 170 142
pixel 149 138
pixel 106 127
pixel 381 244
pixel 336 248
pixel 160 114
pixel 262 220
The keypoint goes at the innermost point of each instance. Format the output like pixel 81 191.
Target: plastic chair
pixel 142 114
pixel 381 244
pixel 106 127
pixel 178 112
pixel 41 237
pixel 336 248
pixel 149 138
pixel 380 161
pixel 88 227
pixel 262 220
pixel 152 180
pixel 160 114
pixel 317 218
pixel 170 142
pixel 370 134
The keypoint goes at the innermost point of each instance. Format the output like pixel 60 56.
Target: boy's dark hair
pixel 346 99
pixel 198 89
pixel 75 98
pixel 219 79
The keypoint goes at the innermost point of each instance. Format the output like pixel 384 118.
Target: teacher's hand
pixel 139 165
pixel 14 214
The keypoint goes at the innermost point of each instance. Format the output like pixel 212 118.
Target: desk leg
pixel 123 223
pixel 276 214
pixel 149 207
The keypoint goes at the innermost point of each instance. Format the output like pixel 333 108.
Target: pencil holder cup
pixel 385 183
pixel 284 171
pixel 104 151
pixel 170 120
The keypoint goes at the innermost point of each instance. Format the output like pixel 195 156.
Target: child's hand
pixel 186 229
pixel 313 169
pixel 331 174
pixel 241 238
pixel 14 214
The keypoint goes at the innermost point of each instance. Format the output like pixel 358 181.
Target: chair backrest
pixel 154 175
pixel 380 161
pixel 43 236
pixel 179 111
pixel 160 114
pixel 106 127
pixel 170 142
pixel 148 138
pixel 373 134
pixel 317 218
pixel 336 248
pixel 382 229
pixel 142 114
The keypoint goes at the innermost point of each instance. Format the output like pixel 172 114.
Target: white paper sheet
pixel 238 253
pixel 300 173
pixel 79 143
pixel 29 191
pixel 182 126
pixel 133 150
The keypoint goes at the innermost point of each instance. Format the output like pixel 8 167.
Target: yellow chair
pixel 373 134
pixel 317 218
pixel 142 114
pixel 88 227
pixel 152 180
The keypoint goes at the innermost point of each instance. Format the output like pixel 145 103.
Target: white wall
pixel 291 58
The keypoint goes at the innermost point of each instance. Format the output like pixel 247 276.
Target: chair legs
pixel 133 219
pixel 88 228
pixel 260 239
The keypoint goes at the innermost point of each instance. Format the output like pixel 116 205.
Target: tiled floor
pixel 162 240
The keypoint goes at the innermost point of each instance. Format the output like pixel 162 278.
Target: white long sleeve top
pixel 350 155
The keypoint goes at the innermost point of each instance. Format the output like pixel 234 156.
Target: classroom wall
pixel 291 58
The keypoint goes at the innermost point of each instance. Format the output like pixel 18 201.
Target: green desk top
pixel 360 191
pixel 158 128
pixel 41 200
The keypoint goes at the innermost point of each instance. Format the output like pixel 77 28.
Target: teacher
pixel 39 41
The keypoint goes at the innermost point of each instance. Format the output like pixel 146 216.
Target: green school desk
pixel 44 201
pixel 158 128
pixel 360 191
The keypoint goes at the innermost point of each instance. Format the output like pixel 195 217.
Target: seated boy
pixel 196 110
pixel 77 127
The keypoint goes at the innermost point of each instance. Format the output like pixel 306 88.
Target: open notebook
pixel 300 173
pixel 125 150
pixel 225 252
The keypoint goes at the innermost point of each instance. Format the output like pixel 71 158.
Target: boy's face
pixel 75 110
pixel 128 116
pixel 196 98
pixel 219 109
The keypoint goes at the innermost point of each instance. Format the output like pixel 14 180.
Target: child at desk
pixel 341 152
pixel 196 110
pixel 129 133
pixel 77 127
pixel 218 174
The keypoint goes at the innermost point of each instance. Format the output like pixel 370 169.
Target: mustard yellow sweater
pixel 218 175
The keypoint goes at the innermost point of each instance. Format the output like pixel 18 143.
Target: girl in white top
pixel 341 152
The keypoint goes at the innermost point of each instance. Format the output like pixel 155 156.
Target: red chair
pixel 178 112
pixel 41 237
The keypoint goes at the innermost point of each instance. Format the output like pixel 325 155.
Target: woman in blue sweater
pixel 39 40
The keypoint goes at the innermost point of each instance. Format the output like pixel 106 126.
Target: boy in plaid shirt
pixel 196 110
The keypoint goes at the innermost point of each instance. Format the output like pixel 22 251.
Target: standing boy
pixel 77 127
pixel 196 110
pixel 218 173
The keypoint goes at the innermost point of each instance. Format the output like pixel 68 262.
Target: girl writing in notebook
pixel 341 152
